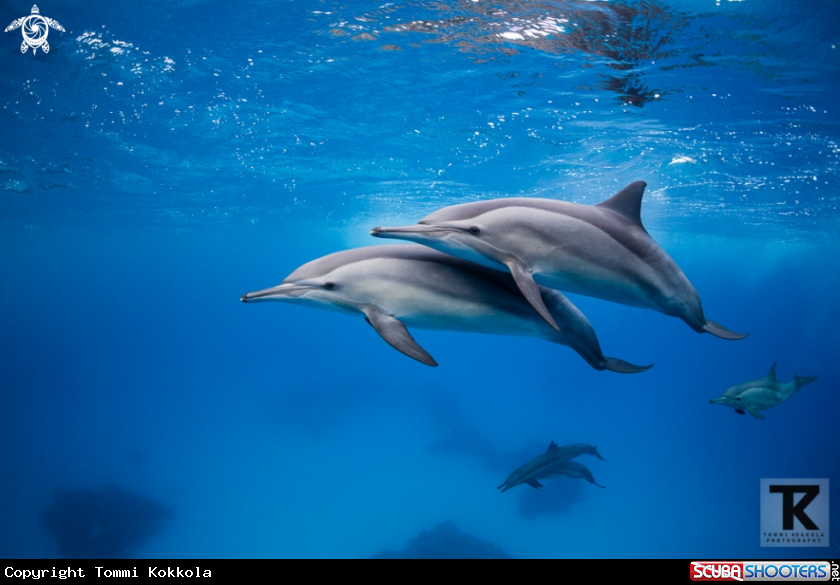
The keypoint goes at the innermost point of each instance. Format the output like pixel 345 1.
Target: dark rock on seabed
pixel 445 541
pixel 104 524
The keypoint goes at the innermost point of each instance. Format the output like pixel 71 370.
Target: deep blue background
pixel 165 158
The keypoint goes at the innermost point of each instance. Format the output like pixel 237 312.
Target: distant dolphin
pixel 547 464
pixel 409 285
pixel 761 394
pixel 601 251
pixel 574 470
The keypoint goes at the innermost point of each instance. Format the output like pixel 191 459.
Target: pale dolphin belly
pixel 429 295
pixel 762 398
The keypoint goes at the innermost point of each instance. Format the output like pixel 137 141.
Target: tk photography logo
pixel 35 29
pixel 794 512
pixel 790 571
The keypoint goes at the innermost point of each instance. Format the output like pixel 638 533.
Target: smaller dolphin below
pixel 761 394
pixel 574 470
pixel 553 463
pixel 407 285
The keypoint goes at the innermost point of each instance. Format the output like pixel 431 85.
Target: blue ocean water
pixel 165 157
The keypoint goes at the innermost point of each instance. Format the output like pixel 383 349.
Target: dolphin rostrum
pixel 761 394
pixel 550 464
pixel 601 251
pixel 406 285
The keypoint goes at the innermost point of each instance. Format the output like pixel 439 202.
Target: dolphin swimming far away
pixel 573 470
pixel 761 394
pixel 407 285
pixel 551 464
pixel 600 250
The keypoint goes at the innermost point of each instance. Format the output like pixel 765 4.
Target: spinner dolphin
pixel 552 463
pixel 399 286
pixel 601 251
pixel 761 394
pixel 573 470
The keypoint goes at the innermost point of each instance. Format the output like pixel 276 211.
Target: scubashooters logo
pixel 790 571
pixel 794 512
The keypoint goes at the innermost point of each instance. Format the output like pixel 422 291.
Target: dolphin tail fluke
pixel 722 332
pixel 802 380
pixel 622 367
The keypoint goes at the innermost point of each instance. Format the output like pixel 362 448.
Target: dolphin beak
pixel 278 293
pixel 407 231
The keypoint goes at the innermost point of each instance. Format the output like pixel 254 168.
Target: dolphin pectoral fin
pixel 535 484
pixel 722 332
pixel 740 411
pixel 622 367
pixel 396 334
pixel 755 413
pixel 530 289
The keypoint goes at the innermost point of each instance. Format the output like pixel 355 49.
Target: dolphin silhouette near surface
pixel 761 394
pixel 406 285
pixel 555 462
pixel 600 251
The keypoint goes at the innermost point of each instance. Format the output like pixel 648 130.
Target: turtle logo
pixel 35 29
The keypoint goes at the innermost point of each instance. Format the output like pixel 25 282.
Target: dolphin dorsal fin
pixel 627 202
pixel 771 375
pixel 552 447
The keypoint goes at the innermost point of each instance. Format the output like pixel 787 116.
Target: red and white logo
pixel 702 571
pixel 790 571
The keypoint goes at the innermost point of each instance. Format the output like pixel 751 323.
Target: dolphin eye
pixel 475 231
pixel 739 398
pixel 329 285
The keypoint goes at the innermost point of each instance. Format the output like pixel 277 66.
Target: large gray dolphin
pixel 761 394
pixel 601 251
pixel 549 464
pixel 409 285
